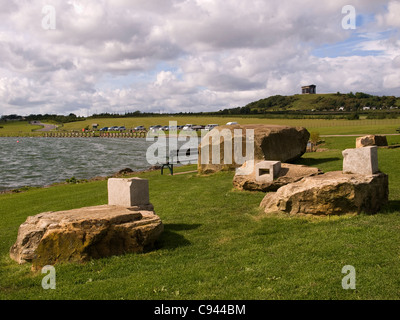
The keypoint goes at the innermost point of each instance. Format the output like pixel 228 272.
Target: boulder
pixel 88 233
pixel 332 193
pixel 288 173
pixel 371 140
pixel 271 142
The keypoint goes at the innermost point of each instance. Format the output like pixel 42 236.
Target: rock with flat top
pixel 88 233
pixel 371 140
pixel 332 193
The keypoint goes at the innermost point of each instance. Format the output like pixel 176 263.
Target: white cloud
pixel 391 17
pixel 186 55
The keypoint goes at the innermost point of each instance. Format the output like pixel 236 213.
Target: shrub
pixel 74 180
pixel 314 137
pixel 353 116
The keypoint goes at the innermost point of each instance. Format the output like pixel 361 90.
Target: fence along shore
pixel 138 134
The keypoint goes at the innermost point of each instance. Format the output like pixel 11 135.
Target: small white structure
pixel 361 160
pixel 128 192
pixel 267 171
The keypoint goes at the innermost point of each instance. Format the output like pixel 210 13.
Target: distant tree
pixel 353 116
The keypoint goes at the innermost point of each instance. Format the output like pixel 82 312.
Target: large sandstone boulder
pixel 87 233
pixel 332 193
pixel 271 142
pixel 289 173
pixel 371 140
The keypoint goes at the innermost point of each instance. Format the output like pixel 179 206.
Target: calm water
pixel 42 161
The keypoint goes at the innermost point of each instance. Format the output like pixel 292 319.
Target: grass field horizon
pixel 323 126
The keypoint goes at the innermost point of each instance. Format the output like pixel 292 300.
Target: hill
pixel 343 102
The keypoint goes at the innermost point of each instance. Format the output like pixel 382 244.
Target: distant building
pixel 311 89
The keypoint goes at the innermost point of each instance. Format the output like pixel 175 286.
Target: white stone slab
pixel 128 192
pixel 361 160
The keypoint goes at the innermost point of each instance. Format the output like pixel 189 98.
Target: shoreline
pixel 120 173
pixel 77 135
pixel 96 134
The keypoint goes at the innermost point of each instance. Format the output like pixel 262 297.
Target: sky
pixel 171 56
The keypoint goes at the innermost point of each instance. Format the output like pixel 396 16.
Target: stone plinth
pixel 128 192
pixel 245 178
pixel 361 160
pixel 267 171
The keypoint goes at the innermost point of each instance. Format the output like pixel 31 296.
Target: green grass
pixel 17 128
pixel 217 244
pixel 307 101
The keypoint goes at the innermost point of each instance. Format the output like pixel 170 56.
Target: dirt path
pixel 46 127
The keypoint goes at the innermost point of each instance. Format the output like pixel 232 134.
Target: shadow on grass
pixel 392 206
pixel 181 226
pixel 314 162
pixel 171 240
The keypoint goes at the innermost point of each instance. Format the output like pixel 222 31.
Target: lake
pixel 43 161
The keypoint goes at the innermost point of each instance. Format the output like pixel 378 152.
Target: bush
pixel 314 137
pixel 376 115
pixel 353 116
pixel 73 180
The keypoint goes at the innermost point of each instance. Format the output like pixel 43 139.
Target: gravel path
pixel 46 127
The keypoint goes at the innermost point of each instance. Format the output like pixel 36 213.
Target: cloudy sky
pixel 189 55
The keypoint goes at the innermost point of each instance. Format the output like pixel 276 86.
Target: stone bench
pixel 127 224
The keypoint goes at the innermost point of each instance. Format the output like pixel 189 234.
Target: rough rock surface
pixel 371 140
pixel 271 142
pixel 88 233
pixel 289 173
pixel 332 193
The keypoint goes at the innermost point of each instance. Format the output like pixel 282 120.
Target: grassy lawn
pixel 17 128
pixel 217 244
